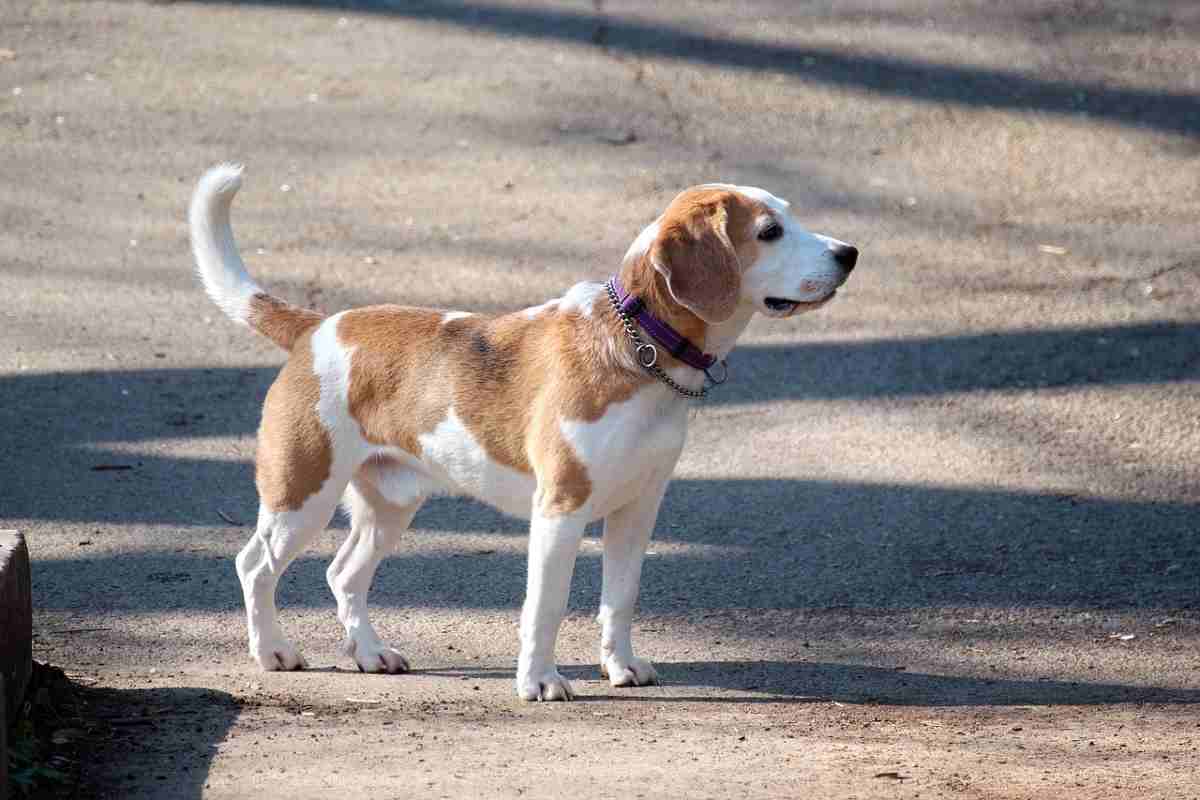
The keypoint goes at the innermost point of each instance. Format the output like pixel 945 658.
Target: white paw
pixel 375 657
pixel 278 655
pixel 544 685
pixel 634 672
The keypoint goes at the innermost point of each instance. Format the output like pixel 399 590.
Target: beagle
pixel 565 413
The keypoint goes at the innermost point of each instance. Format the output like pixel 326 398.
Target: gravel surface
pixel 937 540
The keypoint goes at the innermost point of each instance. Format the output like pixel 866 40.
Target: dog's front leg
pixel 627 532
pixel 553 545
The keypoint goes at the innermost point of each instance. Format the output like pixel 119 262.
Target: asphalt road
pixel 940 539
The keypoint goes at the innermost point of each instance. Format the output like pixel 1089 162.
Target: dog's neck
pixel 721 337
pixel 639 277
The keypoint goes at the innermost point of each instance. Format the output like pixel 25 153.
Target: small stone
pixel 287 187
pixel 617 138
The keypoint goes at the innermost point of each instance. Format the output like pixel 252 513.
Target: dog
pixel 565 413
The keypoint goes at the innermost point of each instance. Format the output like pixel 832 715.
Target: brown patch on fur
pixel 294 450
pixel 510 379
pixel 694 254
pixel 398 384
pixel 707 237
pixel 280 321
pixel 742 227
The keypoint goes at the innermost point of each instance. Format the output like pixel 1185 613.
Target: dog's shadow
pixel 819 682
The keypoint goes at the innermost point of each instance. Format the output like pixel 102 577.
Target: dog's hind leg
pixel 278 539
pixel 375 531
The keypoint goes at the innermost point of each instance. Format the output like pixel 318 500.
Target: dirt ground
pixel 938 540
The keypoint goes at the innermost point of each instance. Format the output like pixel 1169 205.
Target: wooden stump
pixel 16 623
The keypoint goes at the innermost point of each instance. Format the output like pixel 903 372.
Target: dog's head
pixel 719 247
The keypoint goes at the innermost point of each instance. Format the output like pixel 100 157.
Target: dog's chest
pixel 634 444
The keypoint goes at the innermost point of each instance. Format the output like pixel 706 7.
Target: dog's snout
pixel 846 256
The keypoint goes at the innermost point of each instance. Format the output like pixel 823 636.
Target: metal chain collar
pixel 647 354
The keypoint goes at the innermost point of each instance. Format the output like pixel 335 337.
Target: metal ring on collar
pixel 642 359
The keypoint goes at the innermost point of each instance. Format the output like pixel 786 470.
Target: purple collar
pixel 661 332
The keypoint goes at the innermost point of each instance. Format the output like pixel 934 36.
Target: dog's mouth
pixel 783 307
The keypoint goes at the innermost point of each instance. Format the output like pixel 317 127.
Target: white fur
pixel 798 266
pixel 218 263
pixel 641 245
pixel 581 298
pixel 629 454
pixel 452 456
pixel 536 311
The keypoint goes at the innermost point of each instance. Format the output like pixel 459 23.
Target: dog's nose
pixel 846 256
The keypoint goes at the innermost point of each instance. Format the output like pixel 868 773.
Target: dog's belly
pixel 625 453
pixel 406 481
pixel 451 462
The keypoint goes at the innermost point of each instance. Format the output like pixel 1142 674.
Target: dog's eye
pixel 771 232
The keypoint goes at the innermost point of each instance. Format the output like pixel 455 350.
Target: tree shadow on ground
pixel 157 742
pixel 74 431
pixel 84 445
pixel 767 544
pixel 816 682
pixel 1175 112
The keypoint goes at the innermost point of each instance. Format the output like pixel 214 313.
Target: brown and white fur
pixel 543 413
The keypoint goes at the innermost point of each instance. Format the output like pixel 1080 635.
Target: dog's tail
pixel 221 269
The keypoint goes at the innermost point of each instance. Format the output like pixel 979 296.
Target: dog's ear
pixel 695 256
